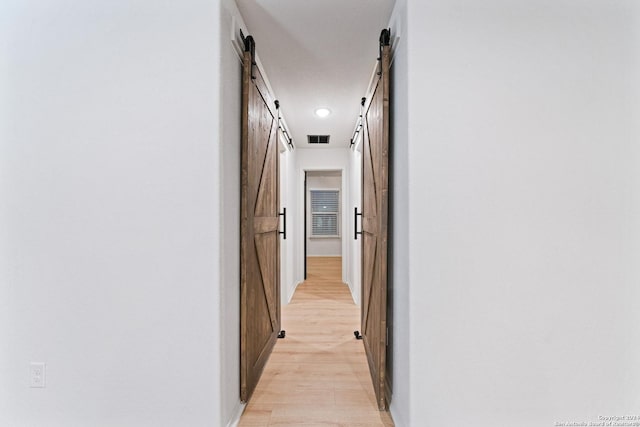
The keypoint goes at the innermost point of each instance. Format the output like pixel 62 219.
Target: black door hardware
pixel 284 214
pixel 355 223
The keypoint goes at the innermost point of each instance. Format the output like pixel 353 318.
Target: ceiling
pixel 318 53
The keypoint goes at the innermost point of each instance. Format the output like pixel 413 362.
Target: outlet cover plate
pixel 37 375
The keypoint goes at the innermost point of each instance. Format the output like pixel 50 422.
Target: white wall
pixel 323 246
pixel 398 319
pixel 524 211
pixel 354 246
pixel 109 212
pixel 231 71
pixel 336 159
pixel 288 199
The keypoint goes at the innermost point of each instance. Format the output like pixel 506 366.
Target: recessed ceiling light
pixel 323 112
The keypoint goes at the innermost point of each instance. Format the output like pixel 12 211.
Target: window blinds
pixel 325 207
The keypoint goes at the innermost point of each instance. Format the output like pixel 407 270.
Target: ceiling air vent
pixel 318 139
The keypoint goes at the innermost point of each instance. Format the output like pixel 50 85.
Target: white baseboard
pixel 237 413
pixel 395 417
pixel 292 291
pixel 353 293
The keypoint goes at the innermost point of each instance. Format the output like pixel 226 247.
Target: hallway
pixel 318 374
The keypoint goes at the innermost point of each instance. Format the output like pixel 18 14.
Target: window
pixel 325 210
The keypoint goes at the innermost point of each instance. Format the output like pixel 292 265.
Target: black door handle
pixel 284 214
pixel 355 223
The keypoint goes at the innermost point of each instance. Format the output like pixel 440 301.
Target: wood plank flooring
pixel 318 374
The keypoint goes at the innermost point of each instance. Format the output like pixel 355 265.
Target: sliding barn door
pixel 375 208
pixel 260 243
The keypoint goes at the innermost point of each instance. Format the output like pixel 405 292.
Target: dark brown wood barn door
pixel 260 242
pixel 375 208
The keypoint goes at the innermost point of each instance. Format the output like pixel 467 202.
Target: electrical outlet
pixel 37 375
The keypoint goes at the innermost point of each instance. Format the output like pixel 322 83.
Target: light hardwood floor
pixel 318 374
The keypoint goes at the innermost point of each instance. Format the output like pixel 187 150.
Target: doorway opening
pixel 318 227
pixel 323 225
